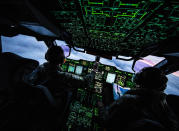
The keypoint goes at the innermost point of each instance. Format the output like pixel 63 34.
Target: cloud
pixel 64 46
pixel 123 65
pixel 176 73
pixel 140 64
pixel 79 55
pixel 172 85
pixel 25 46
pixel 153 59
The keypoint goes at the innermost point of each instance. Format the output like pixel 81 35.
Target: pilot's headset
pixel 150 76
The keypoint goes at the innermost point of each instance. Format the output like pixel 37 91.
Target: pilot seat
pixel 22 106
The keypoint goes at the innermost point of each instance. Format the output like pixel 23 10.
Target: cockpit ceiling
pixel 119 26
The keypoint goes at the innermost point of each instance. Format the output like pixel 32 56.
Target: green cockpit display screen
pixel 71 68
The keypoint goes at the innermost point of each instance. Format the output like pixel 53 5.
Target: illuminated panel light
pixel 110 78
pixel 127 4
pixel 79 70
pixel 95 3
pixel 71 69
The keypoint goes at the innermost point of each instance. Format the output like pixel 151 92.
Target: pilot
pixel 61 84
pixel 55 57
pixel 143 108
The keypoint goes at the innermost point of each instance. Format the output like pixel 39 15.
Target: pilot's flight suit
pixel 60 84
pixel 46 71
pixel 42 74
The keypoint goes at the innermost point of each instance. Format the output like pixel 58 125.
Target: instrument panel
pixel 84 111
pixel 104 73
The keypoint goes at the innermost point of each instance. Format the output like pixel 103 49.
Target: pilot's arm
pixel 75 81
pixel 71 80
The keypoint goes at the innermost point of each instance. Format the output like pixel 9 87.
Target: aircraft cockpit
pixel 124 30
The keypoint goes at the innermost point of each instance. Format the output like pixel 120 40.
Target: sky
pixel 29 47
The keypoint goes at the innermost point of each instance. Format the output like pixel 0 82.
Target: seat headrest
pixel 9 63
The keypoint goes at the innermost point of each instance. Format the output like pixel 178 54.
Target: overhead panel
pixel 122 27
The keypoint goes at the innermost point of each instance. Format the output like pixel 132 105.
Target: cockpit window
pixel 79 55
pixel 173 79
pixel 74 54
pixel 64 46
pixel 119 64
pixel 25 46
pixel 29 47
pixel 147 61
